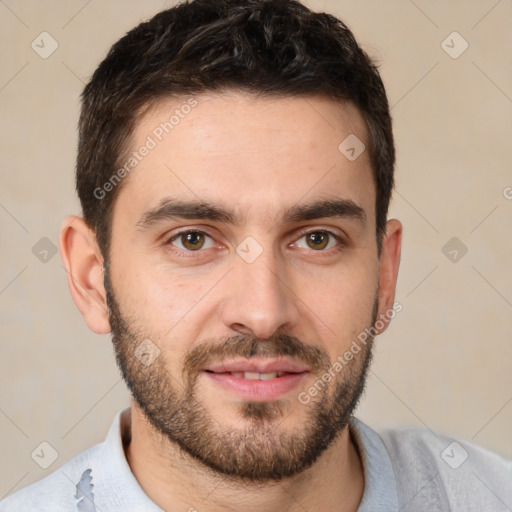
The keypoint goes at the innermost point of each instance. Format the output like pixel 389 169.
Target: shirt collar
pixel 380 492
pixel 130 497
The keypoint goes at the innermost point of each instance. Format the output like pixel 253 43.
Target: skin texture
pixel 259 158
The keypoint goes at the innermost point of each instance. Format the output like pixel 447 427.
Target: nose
pixel 259 299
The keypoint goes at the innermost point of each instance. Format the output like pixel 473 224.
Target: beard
pixel 260 451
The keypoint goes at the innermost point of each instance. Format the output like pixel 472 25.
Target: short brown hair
pixel 267 47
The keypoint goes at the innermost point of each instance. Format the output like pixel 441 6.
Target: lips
pixel 248 368
pixel 258 375
pixel 257 379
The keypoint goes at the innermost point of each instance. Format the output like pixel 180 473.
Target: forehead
pixel 255 155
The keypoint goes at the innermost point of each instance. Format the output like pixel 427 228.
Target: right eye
pixel 191 240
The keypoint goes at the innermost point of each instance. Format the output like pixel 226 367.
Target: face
pixel 243 265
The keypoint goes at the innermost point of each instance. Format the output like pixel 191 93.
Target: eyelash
pixel 190 253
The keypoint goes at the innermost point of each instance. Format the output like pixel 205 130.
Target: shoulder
pixel 57 491
pixel 430 465
pixel 98 479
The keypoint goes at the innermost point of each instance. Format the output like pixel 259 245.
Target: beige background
pixel 445 361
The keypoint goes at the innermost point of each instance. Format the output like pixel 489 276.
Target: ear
pixel 388 273
pixel 83 263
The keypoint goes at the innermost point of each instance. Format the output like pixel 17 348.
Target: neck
pixel 175 481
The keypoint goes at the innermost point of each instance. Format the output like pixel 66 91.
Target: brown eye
pixel 317 240
pixel 191 241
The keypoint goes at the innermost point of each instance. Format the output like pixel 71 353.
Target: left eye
pixel 317 240
pixel 192 240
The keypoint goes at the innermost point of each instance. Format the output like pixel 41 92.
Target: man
pixel 235 167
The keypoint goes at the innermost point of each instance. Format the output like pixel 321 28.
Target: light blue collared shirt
pixel 405 470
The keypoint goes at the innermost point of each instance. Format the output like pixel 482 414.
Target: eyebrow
pixel 171 208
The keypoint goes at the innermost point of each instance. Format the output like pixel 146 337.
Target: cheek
pixel 167 307
pixel 145 297
pixel 341 304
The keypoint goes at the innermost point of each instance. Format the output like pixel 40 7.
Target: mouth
pixel 254 375
pixel 258 365
pixel 257 380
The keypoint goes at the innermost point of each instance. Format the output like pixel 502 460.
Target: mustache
pixel 241 345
